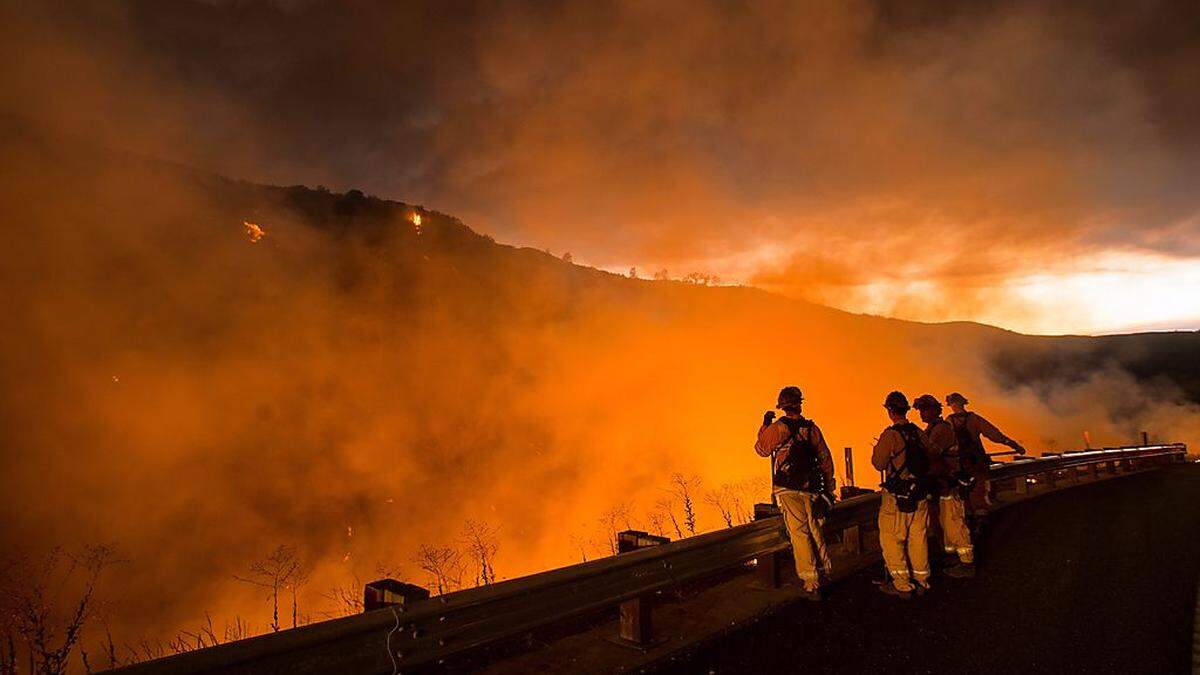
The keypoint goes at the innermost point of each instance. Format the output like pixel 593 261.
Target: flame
pixel 253 231
pixel 416 221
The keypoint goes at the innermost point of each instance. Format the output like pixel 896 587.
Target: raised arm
pixel 769 438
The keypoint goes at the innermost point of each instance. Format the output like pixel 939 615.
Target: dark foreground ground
pixel 1099 578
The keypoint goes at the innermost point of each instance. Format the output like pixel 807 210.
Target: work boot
pixel 919 588
pixel 889 588
pixel 962 571
pixel 811 594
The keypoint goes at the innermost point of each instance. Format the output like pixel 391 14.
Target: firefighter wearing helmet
pixel 903 457
pixel 802 484
pixel 952 484
pixel 968 427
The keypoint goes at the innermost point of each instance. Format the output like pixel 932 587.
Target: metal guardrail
pixel 402 638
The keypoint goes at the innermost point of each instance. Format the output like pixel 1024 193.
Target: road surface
pixel 1098 578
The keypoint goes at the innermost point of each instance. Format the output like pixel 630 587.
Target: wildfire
pixel 416 221
pixel 253 231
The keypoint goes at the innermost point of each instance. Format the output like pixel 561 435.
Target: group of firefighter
pixel 942 464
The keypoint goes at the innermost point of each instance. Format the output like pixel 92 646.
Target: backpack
pixel 909 490
pixel 970 449
pixel 916 457
pixel 799 471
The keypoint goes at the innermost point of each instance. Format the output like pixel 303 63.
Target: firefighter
pixel 802 484
pixel 945 468
pixel 968 427
pixel 901 454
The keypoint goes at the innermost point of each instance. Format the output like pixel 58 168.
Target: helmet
pixel 789 397
pixel 896 401
pixel 956 398
pixel 926 401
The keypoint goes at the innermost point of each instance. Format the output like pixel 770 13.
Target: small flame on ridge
pixel 253 231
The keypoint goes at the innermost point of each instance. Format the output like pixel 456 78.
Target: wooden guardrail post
pixel 388 592
pixel 1021 485
pixel 769 567
pixel 852 541
pixel 636 627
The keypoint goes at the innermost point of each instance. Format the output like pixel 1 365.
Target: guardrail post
pixel 1145 439
pixel 635 626
pixel 769 567
pixel 852 540
pixel 389 592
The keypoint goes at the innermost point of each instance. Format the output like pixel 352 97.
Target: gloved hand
pixel 768 417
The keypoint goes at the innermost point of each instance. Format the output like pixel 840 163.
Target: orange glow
pixel 253 231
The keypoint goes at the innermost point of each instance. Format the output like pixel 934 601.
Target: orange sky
pixel 1027 164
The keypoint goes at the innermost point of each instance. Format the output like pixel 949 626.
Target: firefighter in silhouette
pixel 952 484
pixel 968 427
pixel 903 457
pixel 802 484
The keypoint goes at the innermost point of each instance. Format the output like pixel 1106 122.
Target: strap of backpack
pixel 892 468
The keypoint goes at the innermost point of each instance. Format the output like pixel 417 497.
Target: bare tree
pixel 581 544
pixel 683 488
pixel 612 520
pixel 633 273
pixel 662 275
pixel 346 600
pixel 276 572
pixel 666 506
pixel 657 522
pixel 749 492
pixel 722 501
pixel 482 544
pixel 443 564
pixel 31 600
pixel 299 580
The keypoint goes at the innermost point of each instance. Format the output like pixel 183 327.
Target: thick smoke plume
pixel 921 159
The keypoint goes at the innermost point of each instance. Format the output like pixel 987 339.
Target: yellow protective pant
pixel 808 541
pixel 956 538
pixel 904 540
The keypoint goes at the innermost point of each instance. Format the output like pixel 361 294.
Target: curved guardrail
pixel 401 638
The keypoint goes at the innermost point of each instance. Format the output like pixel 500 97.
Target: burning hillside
pixel 203 371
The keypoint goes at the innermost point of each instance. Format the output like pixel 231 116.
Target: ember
pixel 253 231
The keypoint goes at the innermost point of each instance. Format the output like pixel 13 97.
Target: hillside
pixel 358 386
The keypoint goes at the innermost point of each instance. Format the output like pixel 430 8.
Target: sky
pixel 1027 164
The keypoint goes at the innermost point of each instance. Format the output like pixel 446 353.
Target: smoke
pixel 357 387
pixel 837 152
